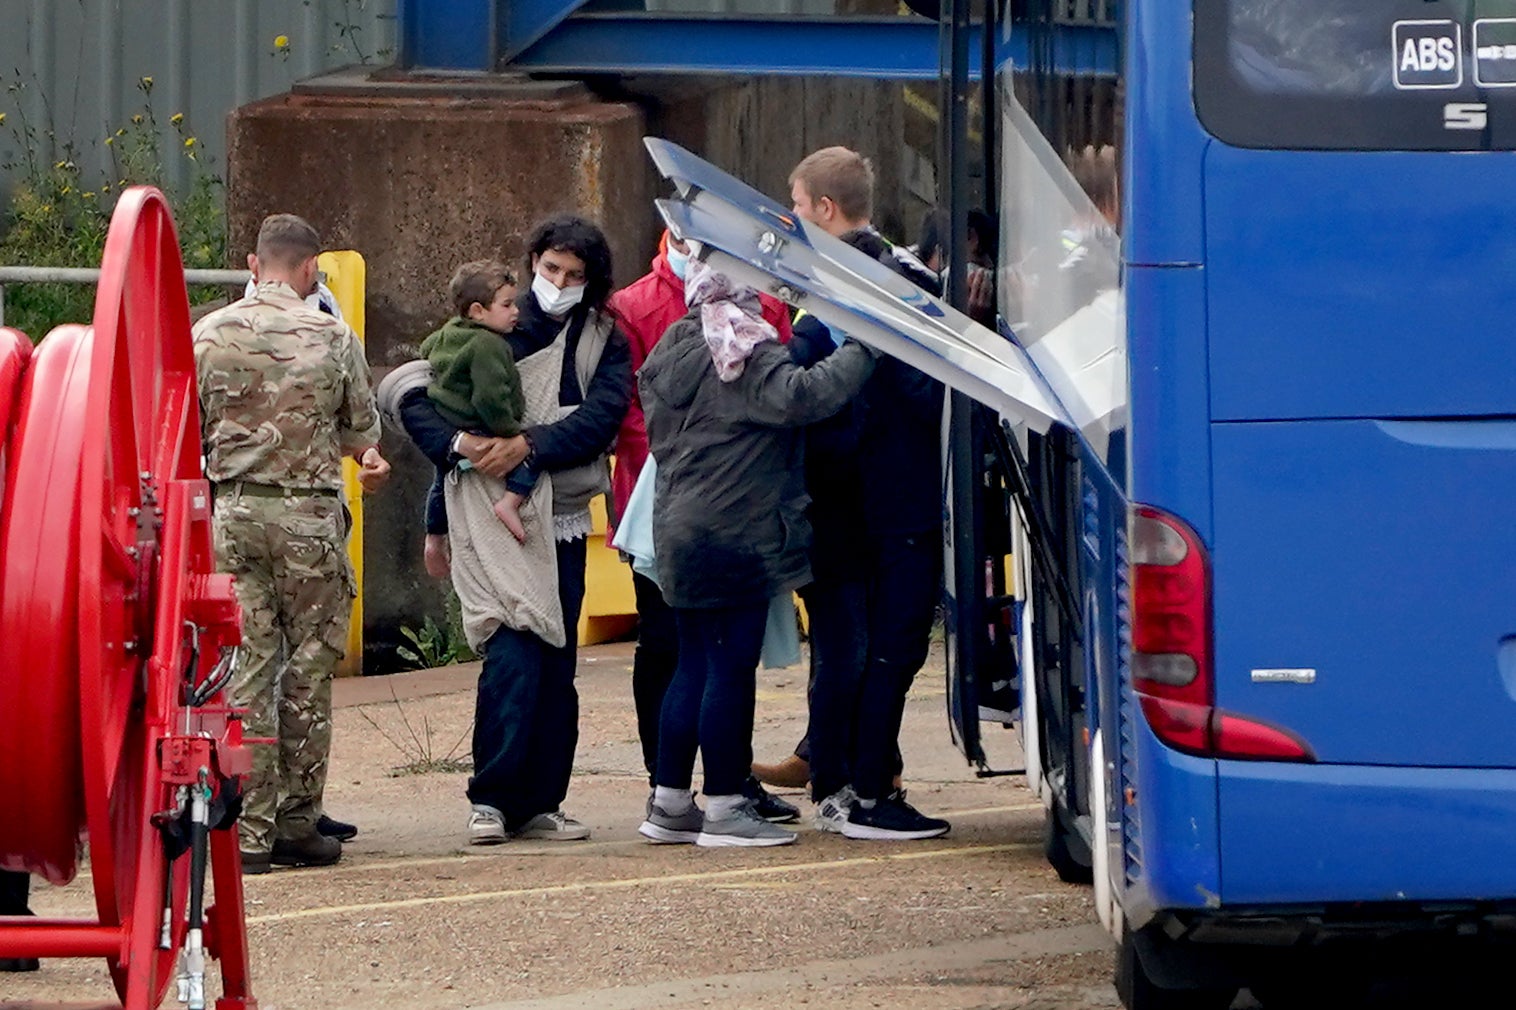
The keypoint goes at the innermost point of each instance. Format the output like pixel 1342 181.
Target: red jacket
pixel 645 309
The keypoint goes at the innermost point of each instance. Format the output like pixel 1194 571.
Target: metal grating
pixel 1126 717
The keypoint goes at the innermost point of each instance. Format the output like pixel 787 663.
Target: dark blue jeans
pixel 837 613
pixel 653 665
pixel 868 640
pixel 526 712
pixel 709 705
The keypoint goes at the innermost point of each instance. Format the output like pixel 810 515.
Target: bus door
pixel 760 243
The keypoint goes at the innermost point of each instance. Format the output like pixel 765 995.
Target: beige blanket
pixel 498 580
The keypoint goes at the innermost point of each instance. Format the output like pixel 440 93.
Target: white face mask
pixel 555 301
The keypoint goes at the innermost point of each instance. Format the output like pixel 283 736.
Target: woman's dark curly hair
pixel 575 235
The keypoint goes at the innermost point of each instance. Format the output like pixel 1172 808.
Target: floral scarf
pixel 730 317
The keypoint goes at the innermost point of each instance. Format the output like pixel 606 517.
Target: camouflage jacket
pixel 284 392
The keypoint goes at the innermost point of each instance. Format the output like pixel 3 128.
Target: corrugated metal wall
pixel 74 66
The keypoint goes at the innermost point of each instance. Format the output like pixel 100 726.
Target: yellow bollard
pixel 345 274
pixel 610 604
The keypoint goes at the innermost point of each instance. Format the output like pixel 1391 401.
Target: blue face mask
pixel 678 262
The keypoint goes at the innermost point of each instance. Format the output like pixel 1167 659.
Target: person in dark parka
pixel 725 405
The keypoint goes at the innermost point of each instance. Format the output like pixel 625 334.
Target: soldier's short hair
pixel 841 175
pixel 287 239
pixel 478 281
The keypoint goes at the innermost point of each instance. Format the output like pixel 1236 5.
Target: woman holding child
pixel 522 583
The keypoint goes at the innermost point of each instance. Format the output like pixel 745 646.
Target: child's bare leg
pixel 437 556
pixel 508 509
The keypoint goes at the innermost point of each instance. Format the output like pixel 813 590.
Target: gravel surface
pixel 415 918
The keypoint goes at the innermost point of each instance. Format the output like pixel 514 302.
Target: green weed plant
pixel 60 210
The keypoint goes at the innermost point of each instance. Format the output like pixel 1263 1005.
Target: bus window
pixel 1357 74
pixel 1060 272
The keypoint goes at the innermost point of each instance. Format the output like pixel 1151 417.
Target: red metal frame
pixel 107 558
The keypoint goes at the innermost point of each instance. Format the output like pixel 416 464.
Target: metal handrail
pixel 91 275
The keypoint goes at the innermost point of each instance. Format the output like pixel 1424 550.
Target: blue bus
pixel 1253 438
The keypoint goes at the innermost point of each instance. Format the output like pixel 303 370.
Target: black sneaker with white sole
pixel 892 819
pixel 770 807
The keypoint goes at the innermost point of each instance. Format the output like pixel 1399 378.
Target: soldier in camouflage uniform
pixel 285 394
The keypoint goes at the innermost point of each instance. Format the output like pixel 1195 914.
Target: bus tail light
pixel 1172 663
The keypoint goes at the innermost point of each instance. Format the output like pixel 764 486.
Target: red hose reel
pixel 116 636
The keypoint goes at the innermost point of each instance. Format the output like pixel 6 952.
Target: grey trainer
pixel 554 826
pixel 664 828
pixel 743 827
pixel 486 825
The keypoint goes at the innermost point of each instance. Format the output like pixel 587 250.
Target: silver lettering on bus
pixel 1465 115
pixel 1284 676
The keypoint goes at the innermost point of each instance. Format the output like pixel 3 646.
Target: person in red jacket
pixel 644 310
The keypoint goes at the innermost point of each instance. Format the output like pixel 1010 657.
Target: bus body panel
pixel 1365 580
pixel 1164 145
pixel 1170 831
pixel 1305 834
pixel 1170 425
pixel 1359 284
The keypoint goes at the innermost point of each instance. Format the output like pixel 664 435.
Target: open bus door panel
pixel 753 239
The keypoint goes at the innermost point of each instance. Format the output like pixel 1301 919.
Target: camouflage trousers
pixel 296 588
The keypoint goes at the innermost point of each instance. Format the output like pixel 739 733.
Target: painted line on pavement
pixel 518 849
pixel 634 882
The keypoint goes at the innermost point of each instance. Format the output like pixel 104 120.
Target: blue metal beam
pixel 450 35
pixel 533 35
pixel 526 21
pixel 897 48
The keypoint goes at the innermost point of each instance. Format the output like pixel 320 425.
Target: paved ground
pixel 415 918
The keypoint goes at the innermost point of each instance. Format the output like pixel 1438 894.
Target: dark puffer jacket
pixel 729 523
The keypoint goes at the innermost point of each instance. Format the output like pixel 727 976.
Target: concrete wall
pixel 759 129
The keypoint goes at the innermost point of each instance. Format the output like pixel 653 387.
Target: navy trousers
pixel 709 704
pixel 526 711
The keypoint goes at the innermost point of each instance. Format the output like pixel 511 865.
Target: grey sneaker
pixel 744 827
pixel 664 828
pixel 486 826
pixel 554 826
pixel 831 813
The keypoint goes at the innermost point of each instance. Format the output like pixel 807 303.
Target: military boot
pixel 311 850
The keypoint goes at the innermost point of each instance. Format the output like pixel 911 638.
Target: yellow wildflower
pixel 176 118
pixel 281 41
pixel 146 84
pixel 109 141
pixel 137 119
pixel 121 132
pixel 189 141
pixel 67 190
pixel 2 118
pixel 88 194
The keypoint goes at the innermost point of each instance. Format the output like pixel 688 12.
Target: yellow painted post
pixel 345 275
pixel 610 604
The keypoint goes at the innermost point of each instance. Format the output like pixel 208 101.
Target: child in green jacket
pixel 475 383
